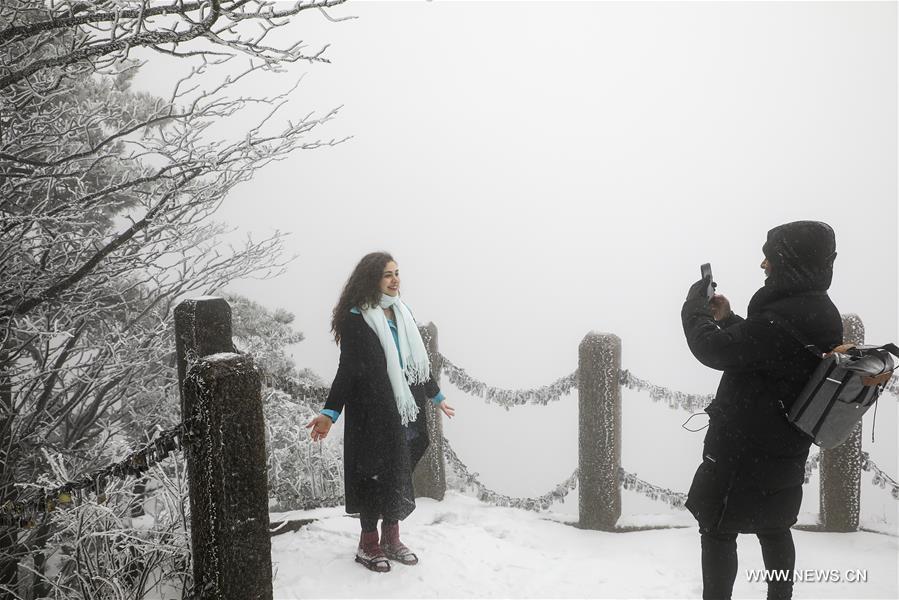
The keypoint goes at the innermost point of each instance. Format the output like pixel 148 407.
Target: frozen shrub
pixel 301 473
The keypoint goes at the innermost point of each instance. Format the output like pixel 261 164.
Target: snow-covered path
pixel 472 550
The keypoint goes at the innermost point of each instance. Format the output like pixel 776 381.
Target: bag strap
pixel 794 333
pixel 797 335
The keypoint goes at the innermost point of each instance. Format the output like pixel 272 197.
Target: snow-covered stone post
pixel 221 404
pixel 841 467
pixel 599 430
pixel 429 477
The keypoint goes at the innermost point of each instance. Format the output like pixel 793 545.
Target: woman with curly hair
pixel 384 380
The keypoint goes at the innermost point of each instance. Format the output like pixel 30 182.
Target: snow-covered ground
pixel 469 549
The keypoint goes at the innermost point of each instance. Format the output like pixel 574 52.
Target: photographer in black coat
pixel 751 476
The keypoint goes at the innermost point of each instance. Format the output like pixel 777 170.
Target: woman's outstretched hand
pixel 448 410
pixel 320 425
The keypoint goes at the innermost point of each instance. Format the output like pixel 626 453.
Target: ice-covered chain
pixel 504 397
pixel 674 399
pixel 880 478
pixel 892 386
pixel 24 513
pixel 303 391
pixel 485 494
pixel 630 481
pixel 626 480
pixel 563 386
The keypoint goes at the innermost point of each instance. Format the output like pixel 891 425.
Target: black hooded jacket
pixel 753 459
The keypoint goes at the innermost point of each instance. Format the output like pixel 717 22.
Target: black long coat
pixel 753 465
pixel 379 452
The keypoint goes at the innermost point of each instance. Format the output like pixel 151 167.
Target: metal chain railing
pixel 38 502
pixel 553 392
pixel 880 478
pixel 628 481
pixel 460 378
pixel 563 386
pixel 485 494
pixel 300 390
pixel 24 513
pixel 542 396
pixel 688 402
pixel 505 397
pixel 674 399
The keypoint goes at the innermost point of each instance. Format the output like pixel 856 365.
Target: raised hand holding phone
pixel 706 271
pixel 719 305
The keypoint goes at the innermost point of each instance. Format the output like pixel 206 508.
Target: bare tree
pixel 108 30
pixel 106 199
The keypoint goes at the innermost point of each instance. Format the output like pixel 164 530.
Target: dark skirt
pixel 379 458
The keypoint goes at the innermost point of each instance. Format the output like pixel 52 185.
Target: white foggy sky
pixel 539 172
pixel 542 170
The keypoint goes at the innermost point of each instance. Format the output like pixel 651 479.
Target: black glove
pixel 698 289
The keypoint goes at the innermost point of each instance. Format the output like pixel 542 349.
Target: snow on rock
pixel 472 550
pixel 221 356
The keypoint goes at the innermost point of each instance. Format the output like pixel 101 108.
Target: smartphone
pixel 706 271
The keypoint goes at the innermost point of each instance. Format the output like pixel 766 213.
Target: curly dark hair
pixel 363 288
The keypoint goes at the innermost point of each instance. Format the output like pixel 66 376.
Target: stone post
pixel 599 431
pixel 225 453
pixel 429 477
pixel 840 467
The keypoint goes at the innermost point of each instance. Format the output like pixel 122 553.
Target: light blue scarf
pixel 415 367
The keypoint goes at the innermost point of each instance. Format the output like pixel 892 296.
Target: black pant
pixel 719 563
pixel 370 523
